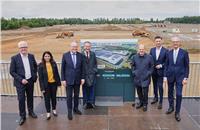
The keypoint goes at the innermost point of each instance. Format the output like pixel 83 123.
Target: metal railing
pixel 192 89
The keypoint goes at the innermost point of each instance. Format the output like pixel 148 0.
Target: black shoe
pixel 170 110
pixel 159 106
pixel 85 106
pixel 48 117
pixel 139 105
pixel 22 120
pixel 92 106
pixel 89 105
pixel 33 115
pixel 77 112
pixel 70 117
pixel 177 117
pixel 154 101
pixel 133 105
pixel 55 114
pixel 144 108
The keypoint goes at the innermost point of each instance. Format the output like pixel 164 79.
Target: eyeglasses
pixel 23 47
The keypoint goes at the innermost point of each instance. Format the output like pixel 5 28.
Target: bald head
pixel 74 46
pixel 141 50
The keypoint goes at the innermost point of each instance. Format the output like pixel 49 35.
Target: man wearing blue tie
pixel 159 56
pixel 176 73
pixel 72 76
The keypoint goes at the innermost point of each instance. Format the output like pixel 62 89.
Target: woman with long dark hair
pixel 49 80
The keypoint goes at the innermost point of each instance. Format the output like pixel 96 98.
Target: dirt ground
pixel 44 38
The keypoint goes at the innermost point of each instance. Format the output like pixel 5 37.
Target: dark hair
pixel 51 56
pixel 87 42
pixel 158 37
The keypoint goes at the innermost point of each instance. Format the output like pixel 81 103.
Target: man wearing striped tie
pixel 176 73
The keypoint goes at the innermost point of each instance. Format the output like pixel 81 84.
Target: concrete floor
pixel 102 118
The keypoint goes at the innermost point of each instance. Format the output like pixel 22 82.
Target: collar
pixel 159 48
pixel 176 49
pixel 23 55
pixel 86 52
pixel 72 53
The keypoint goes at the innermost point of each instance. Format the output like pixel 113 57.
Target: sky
pixel 144 9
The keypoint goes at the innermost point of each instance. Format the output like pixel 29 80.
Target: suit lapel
pixel 21 62
pixel 154 53
pixel 161 51
pixel 77 59
pixel 179 53
pixel 172 56
pixel 70 59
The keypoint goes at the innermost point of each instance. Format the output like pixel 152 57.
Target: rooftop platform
pixel 102 118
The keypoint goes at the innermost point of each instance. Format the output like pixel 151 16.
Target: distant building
pixel 195 30
pixel 166 22
pixel 175 30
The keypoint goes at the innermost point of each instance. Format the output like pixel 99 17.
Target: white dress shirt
pixel 175 55
pixel 26 64
pixel 158 52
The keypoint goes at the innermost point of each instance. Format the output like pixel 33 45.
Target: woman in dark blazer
pixel 49 80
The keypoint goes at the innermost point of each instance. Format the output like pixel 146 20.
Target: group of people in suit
pixel 76 69
pixel 164 66
pixel 80 69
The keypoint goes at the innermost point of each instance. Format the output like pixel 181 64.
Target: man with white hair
pixel 176 73
pixel 142 69
pixel 90 67
pixel 72 76
pixel 23 68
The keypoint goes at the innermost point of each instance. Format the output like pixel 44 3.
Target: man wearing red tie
pixel 176 73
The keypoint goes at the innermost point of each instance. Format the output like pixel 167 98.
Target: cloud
pixel 95 9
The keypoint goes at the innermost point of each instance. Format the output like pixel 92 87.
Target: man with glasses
pixel 23 68
pixel 72 76
pixel 176 73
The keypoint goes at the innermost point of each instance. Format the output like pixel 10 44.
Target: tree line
pixel 15 23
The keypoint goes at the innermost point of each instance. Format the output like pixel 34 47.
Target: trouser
pixel 89 93
pixel 158 86
pixel 50 96
pixel 179 87
pixel 70 90
pixel 143 94
pixel 23 92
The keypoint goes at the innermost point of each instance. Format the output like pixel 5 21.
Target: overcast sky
pixel 144 9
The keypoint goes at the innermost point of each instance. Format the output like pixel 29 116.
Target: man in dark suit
pixel 72 76
pixel 176 73
pixel 159 56
pixel 23 69
pixel 90 66
pixel 142 68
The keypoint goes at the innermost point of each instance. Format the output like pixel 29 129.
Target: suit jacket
pixel 161 60
pixel 17 69
pixel 90 68
pixel 70 74
pixel 142 68
pixel 180 69
pixel 43 76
